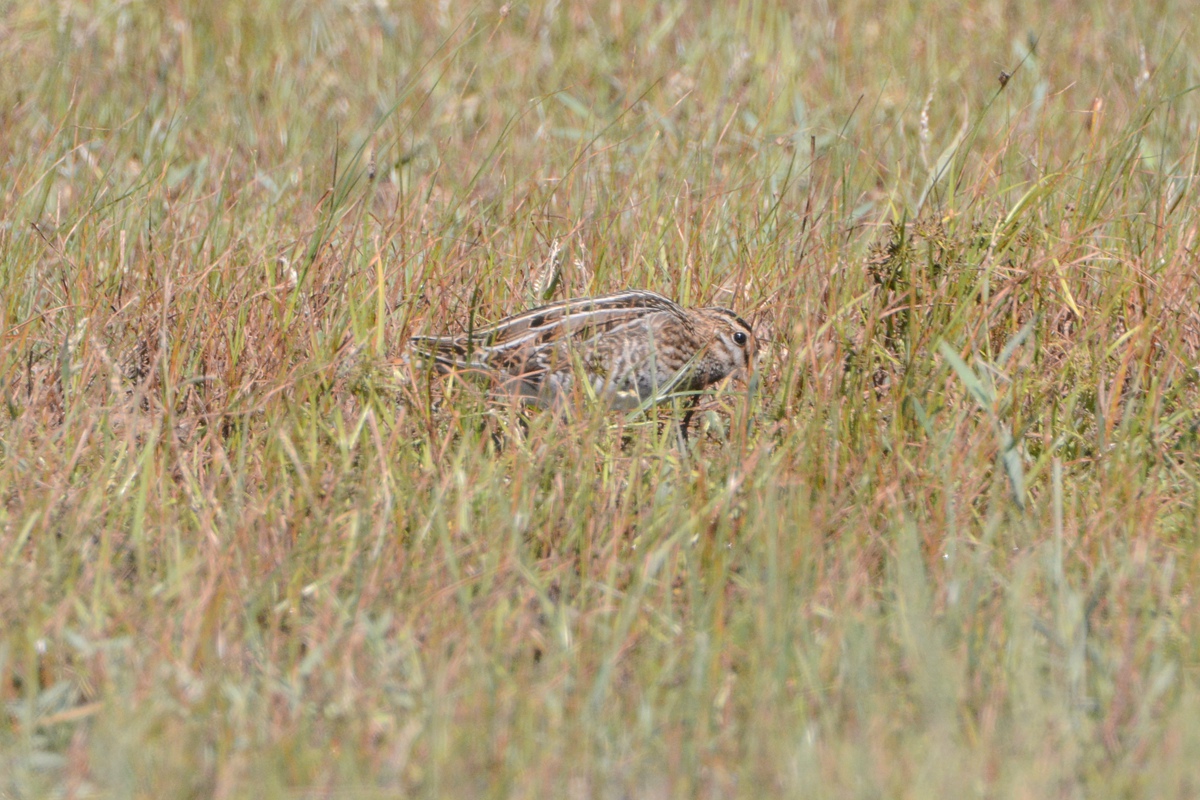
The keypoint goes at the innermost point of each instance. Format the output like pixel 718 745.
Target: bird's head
pixel 732 345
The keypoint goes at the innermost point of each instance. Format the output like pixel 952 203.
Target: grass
pixel 944 544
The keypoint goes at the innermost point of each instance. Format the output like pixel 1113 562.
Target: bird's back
pixel 629 345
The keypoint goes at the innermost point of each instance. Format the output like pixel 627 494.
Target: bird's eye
pixel 739 338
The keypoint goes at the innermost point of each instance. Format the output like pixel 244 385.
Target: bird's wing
pixel 529 337
pixel 578 320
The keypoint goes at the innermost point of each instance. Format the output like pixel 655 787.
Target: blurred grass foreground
pixel 944 544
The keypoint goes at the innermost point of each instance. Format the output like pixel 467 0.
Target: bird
pixel 633 348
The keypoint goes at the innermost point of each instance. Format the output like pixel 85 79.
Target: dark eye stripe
pixel 732 315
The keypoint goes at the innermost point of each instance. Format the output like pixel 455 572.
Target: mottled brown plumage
pixel 634 347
